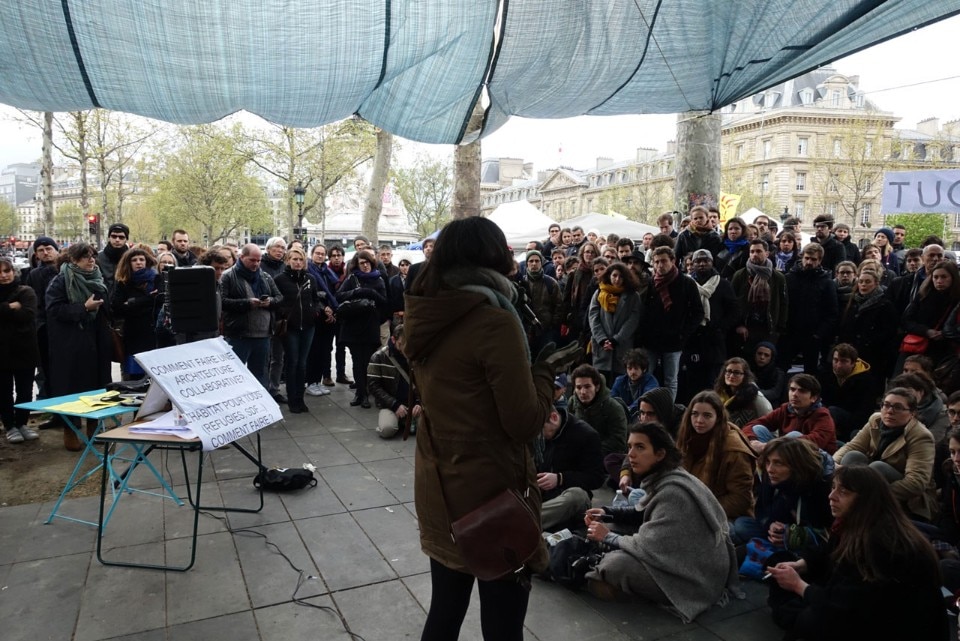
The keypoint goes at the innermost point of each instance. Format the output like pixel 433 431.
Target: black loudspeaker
pixel 192 299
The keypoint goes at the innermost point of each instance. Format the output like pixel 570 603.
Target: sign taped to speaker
pixel 214 393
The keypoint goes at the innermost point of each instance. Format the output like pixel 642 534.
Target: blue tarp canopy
pixel 417 67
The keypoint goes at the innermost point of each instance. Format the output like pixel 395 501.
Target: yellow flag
pixel 728 206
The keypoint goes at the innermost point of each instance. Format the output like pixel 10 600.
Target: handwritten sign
pixel 215 393
pixel 932 191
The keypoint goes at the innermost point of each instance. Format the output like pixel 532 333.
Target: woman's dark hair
pixel 953 293
pixel 588 243
pixel 954 432
pixel 628 279
pixel 800 455
pixel 467 243
pixel 124 271
pixel 366 255
pixel 874 529
pixel 79 251
pixel 905 392
pixel 736 220
pixel 717 435
pixel 720 386
pixel 919 381
pixel 661 441
pixel 922 360
pixel 788 235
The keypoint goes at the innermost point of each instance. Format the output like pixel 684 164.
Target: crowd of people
pixel 731 383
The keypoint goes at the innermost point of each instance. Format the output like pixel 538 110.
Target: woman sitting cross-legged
pixel 681 556
pixel 876 579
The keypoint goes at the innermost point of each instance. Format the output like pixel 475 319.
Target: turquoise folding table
pixel 108 417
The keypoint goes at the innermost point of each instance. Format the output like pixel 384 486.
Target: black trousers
pixel 21 382
pixel 503 606
pixel 360 354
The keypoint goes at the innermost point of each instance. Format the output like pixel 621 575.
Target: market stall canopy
pixel 417 67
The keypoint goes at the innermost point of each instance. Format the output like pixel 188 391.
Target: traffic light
pixel 92 221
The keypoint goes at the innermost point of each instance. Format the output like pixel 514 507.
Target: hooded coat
pixel 606 415
pixel 482 408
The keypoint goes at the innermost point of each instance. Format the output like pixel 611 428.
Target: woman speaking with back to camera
pixel 484 408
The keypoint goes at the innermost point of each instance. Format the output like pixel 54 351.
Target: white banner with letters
pixel 215 393
pixel 931 191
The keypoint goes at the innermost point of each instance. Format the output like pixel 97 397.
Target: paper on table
pixel 165 423
pixel 79 407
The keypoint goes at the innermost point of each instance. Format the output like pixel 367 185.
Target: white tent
pixel 618 225
pixel 521 218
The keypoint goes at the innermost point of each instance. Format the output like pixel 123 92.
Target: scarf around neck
pixel 609 296
pixel 495 286
pixel 662 285
pixel 144 278
pixel 254 278
pixel 760 276
pixel 82 283
pixel 706 291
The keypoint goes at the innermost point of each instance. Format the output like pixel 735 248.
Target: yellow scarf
pixel 609 296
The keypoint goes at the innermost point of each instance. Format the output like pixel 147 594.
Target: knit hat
pixel 702 253
pixel 768 345
pixel 533 252
pixel 662 403
pixel 119 227
pixel 886 231
pixel 43 241
pixel 638 256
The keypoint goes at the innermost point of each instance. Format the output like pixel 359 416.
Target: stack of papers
pixel 86 404
pixel 165 423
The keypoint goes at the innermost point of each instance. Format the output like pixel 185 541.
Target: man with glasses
pixel 109 257
pixel 763 224
pixel 833 251
pixel 249 299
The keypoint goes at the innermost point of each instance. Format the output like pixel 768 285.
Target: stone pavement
pixel 354 536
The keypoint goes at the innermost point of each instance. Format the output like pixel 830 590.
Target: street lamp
pixel 298 193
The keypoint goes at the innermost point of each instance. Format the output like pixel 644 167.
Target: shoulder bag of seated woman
pixel 496 538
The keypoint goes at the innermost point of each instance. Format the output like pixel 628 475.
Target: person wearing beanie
pixel 109 257
pixel 656 406
pixel 543 298
pixel 45 254
pixel 771 379
pixel 888 255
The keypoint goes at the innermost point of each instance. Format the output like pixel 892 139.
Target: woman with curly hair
pixel 738 389
pixel 136 300
pixel 614 314
pixel 363 306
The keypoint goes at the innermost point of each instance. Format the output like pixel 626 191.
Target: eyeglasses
pixel 363 262
pixel 953 412
pixel 895 407
pixel 118 236
pixel 821 226
pixel 733 372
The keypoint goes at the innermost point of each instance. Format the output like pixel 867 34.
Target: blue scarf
pixel 144 278
pixel 254 278
pixel 734 245
pixel 371 275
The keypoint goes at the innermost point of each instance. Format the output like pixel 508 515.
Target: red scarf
pixel 662 283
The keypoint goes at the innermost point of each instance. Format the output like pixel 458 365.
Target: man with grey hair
pixel 272 264
pixel 249 299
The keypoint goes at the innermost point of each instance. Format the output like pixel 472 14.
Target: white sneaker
pixel 28 433
pixel 314 389
pixel 14 435
pixel 323 390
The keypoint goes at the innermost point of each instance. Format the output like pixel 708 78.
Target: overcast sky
pixel 914 76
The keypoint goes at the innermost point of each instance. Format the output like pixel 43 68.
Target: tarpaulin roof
pixel 416 67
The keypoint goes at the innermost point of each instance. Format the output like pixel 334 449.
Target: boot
pixel 356 401
pixel 71 442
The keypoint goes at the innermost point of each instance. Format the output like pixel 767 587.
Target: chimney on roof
pixel 929 126
pixel 672 147
pixel 952 127
pixel 645 154
pixel 603 162
pixel 541 176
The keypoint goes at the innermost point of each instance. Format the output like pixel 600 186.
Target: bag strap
pixel 403 372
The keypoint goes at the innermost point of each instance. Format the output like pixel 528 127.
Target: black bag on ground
pixel 571 559
pixel 283 479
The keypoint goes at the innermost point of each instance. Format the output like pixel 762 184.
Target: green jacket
pixel 606 415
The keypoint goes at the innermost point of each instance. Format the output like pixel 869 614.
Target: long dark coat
pixel 80 347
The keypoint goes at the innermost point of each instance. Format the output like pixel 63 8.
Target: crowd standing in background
pixel 733 368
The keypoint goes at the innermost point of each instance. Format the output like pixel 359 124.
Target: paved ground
pixel 354 536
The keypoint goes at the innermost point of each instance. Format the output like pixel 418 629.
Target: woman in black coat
pixel 869 323
pixel 78 328
pixel 876 579
pixel 301 299
pixel 939 293
pixel 18 351
pixel 135 300
pixel 360 321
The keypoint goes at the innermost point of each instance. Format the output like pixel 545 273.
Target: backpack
pixel 571 559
